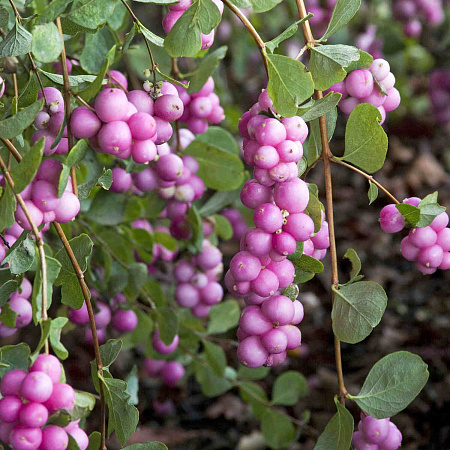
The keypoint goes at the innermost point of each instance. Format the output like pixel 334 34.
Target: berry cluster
pixel 42 201
pixel 129 124
pixel 267 330
pixel 198 288
pixel 28 401
pixel 278 198
pixel 176 11
pixel 20 304
pixel 201 108
pixel 429 246
pixel 174 179
pixel 49 121
pixel 238 223
pixel 439 89
pixel 415 13
pixel 123 320
pixel 376 434
pixel 363 86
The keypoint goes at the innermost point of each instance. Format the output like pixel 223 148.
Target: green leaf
pixel 338 432
pixel 76 154
pixel 291 291
pixel 219 138
pixel 17 42
pixel 289 84
pixel 137 276
pixel 327 64
pixel 247 373
pixel 366 142
pixel 219 170
pixel 206 68
pixel 277 429
pixel 313 146
pixel 322 106
pixel 71 293
pixel 410 213
pixel 55 337
pixel 94 441
pixel 286 34
pixel 158 2
pixel 258 6
pixel 373 192
pixel 91 13
pixel 132 381
pixel 353 257
pixel 54 9
pixel 288 388
pixel 223 227
pixel 13 126
pixel 184 39
pixel 102 179
pixel 223 317
pixel 195 220
pixel 314 210
pixel 129 37
pixel 392 384
pixel 95 50
pixel 364 62
pixel 167 324
pixel 8 316
pixel 357 310
pixel 7 208
pixel 147 445
pixel 14 357
pixel 166 240
pixel 53 268
pixel 212 384
pixel 153 38
pixel 21 255
pixel 74 80
pixel 4 17
pixel 25 171
pixel 46 44
pixel 122 413
pixel 107 208
pixel 89 92
pixel 306 263
pixel 218 201
pixel 6 289
pixel 84 402
pixel 255 395
pixel 145 326
pixel 343 12
pixel 153 287
pixel 110 351
pixel 216 357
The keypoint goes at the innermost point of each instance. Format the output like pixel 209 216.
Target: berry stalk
pixel 326 157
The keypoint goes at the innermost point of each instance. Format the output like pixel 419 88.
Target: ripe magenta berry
pixel 11 381
pixel 111 105
pixel 125 321
pixel 279 310
pixel 63 397
pixel 375 431
pixel 48 364
pixel 359 83
pixel 300 226
pixel 245 267
pixel 253 321
pixel 251 352
pixel 10 408
pixel 274 341
pixel 161 347
pixel 172 372
pixel 36 387
pixel 33 415
pixel 25 438
pixel 54 438
pixel 142 126
pixel 265 284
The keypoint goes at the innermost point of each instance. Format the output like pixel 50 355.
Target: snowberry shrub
pixel 123 203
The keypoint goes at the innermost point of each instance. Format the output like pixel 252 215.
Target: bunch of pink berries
pixel 429 246
pixel 268 329
pixel 176 11
pixel 28 401
pixel 49 121
pixel 123 320
pixel 197 278
pixel 129 124
pixel 42 201
pixel 201 108
pixel 361 86
pixel 20 304
pixel 415 13
pixel 237 221
pixel 376 434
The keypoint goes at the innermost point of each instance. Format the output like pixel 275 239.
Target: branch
pixel 367 176
pixel 326 156
pixel 251 29
pixel 39 242
pixel 66 80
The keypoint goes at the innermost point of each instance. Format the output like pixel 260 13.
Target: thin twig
pixel 30 57
pixel 39 243
pixel 326 156
pixel 67 109
pixel 259 42
pixel 367 176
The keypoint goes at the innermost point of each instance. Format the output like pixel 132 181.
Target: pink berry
pixel 24 438
pixel 294 336
pixel 375 431
pixel 163 348
pixel 296 128
pixel 48 364
pixel 245 267
pixel 270 132
pixel 154 366
pixel 253 321
pixel 251 352
pixel 36 387
pixel 409 251
pixel 11 381
pixel 300 226
pixel 172 372
pixel 359 83
pixel 293 196
pixel 187 295
pixel 125 321
pixel 266 283
pixel 10 409
pixel 63 397
pixel 22 308
pixel 122 180
pixel 391 220
pixel 142 101
pixel 33 415
pixel 111 105
pixel 274 341
pixel 35 214
pixel 422 237
pixel 279 310
pixel 54 438
pixel 431 256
